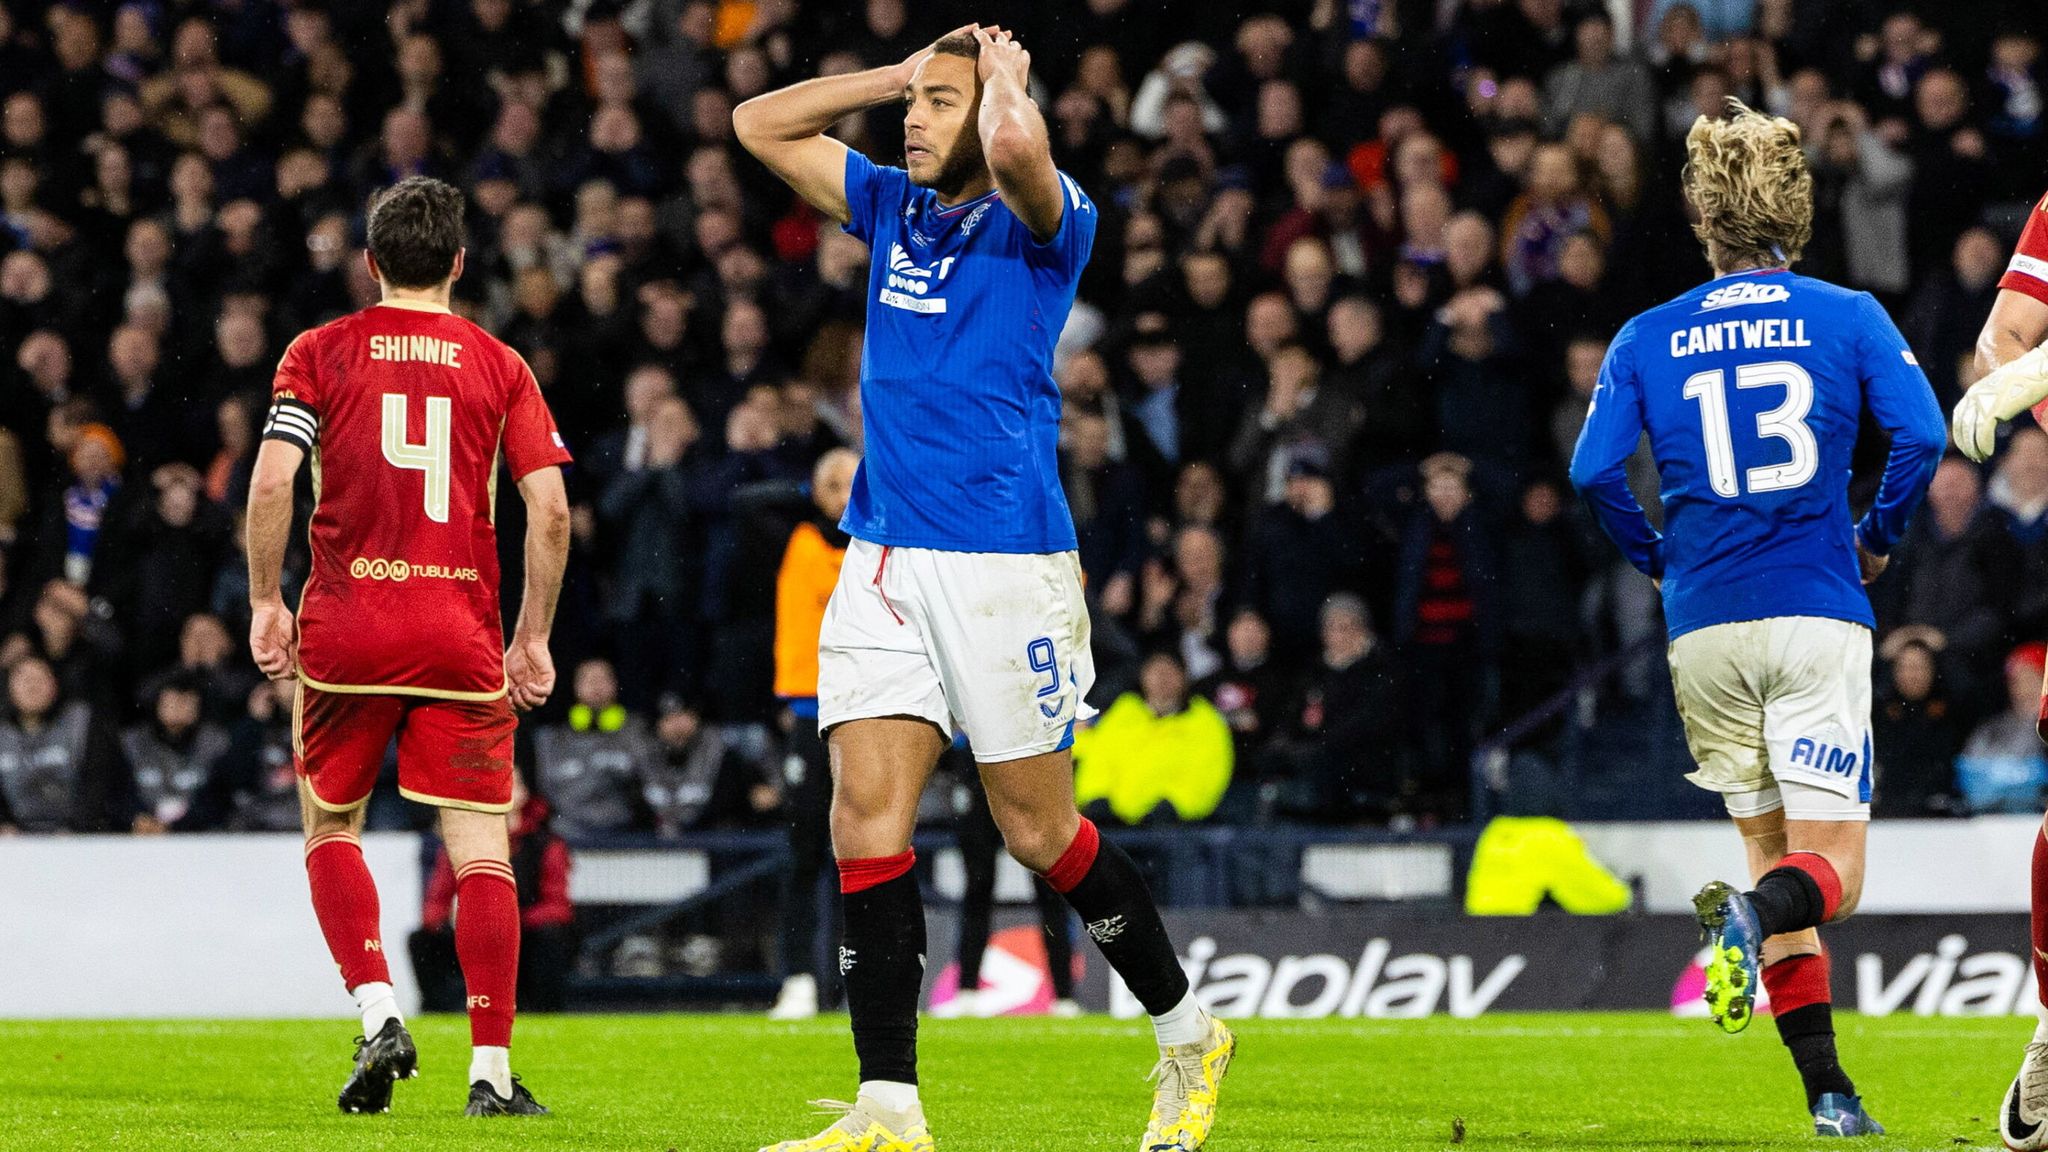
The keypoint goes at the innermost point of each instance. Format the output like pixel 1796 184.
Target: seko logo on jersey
pixel 1746 292
pixel 908 282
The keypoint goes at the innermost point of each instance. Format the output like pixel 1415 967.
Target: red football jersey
pixel 2028 274
pixel 2028 271
pixel 405 408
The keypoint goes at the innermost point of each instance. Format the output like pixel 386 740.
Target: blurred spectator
pixel 254 786
pixel 1545 564
pixel 646 504
pixel 1942 321
pixel 1342 756
pixel 590 769
pixel 173 754
pixel 803 587
pixel 1250 689
pixel 1299 552
pixel 1448 623
pixel 1599 81
pixel 2003 767
pixel 695 778
pixel 1156 756
pixel 1950 581
pixel 1918 730
pixel 96 464
pixel 59 769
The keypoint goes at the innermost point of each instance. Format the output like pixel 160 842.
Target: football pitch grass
pixel 1599 1082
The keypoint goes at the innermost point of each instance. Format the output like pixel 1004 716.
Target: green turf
pixel 1608 1083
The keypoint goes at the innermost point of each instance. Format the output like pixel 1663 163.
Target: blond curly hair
pixel 1746 175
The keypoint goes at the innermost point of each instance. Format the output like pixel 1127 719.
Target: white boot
pixel 798 999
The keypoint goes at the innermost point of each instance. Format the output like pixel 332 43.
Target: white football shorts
pixel 1777 714
pixel 987 643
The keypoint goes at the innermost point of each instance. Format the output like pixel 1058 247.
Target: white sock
pixel 1184 1023
pixel 2041 1026
pixel 890 1095
pixel 493 1065
pixel 378 1004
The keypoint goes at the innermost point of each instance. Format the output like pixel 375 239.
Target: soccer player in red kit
pixel 2012 351
pixel 404 410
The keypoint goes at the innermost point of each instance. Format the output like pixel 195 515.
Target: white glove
pixel 2014 388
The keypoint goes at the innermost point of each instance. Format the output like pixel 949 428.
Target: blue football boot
pixel 1729 921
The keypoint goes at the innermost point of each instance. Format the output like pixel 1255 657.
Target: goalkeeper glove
pixel 2012 389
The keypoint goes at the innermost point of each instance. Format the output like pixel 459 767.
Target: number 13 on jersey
pixel 1786 422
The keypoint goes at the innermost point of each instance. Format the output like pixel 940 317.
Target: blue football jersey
pixel 958 404
pixel 1751 387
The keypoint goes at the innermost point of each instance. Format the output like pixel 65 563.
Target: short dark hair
pixel 415 231
pixel 958 44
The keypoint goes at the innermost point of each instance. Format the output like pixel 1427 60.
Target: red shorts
pixel 451 753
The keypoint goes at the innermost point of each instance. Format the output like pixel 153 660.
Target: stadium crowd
pixel 1358 264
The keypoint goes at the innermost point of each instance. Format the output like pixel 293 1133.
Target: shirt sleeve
pixel 294 415
pixel 2028 271
pixel 1067 249
pixel 531 440
pixel 1614 425
pixel 869 188
pixel 1903 404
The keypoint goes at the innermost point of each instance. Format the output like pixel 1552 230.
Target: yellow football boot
pixel 863 1128
pixel 1184 1103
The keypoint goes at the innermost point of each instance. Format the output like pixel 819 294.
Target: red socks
pixel 2041 914
pixel 345 902
pixel 487 944
pixel 1796 982
pixel 1075 862
pixel 872 871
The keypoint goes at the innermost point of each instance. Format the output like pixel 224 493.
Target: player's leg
pixel 886 721
pixel 2023 1118
pixel 340 742
pixel 1816 734
pixel 1033 803
pixel 1011 637
pixel 457 756
pixel 879 769
pixel 1714 676
pixel 487 946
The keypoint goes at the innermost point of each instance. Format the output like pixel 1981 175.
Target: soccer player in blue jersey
pixel 1750 388
pixel 959 604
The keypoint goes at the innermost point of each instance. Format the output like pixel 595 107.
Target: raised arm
pixel 785 129
pixel 1013 134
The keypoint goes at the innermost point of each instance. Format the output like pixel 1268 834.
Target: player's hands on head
pixel 274 639
pixel 529 673
pixel 910 62
pixel 1001 55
